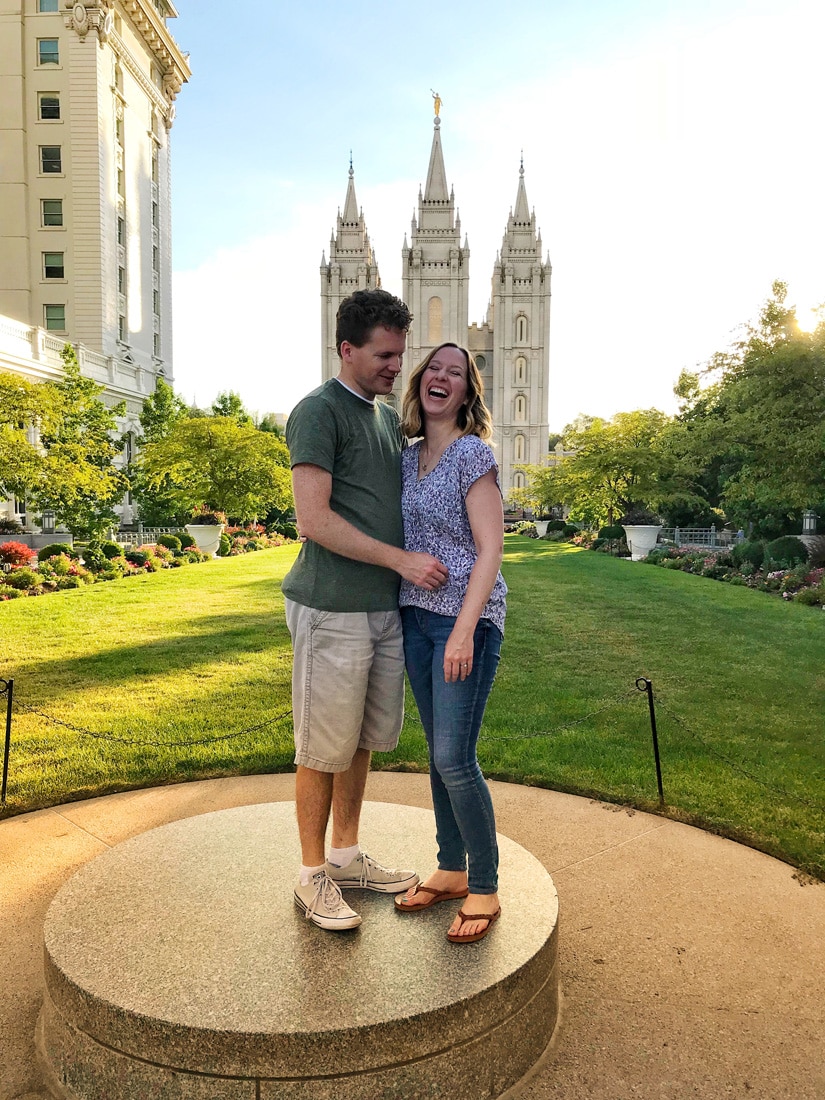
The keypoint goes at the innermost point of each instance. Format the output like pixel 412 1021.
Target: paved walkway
pixel 690 966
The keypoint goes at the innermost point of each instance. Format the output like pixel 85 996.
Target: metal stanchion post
pixel 644 684
pixel 7 689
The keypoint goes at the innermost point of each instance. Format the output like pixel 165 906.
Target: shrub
pixel 69 582
pixel 171 542
pixel 23 579
pixel 640 517
pixel 556 525
pixel 56 548
pixel 7 593
pixel 225 546
pixel 289 530
pixel 207 519
pixel 16 553
pixel 811 596
pixel 9 526
pixel 185 539
pixel 111 549
pixel 137 557
pixel 59 565
pixel 569 529
pixel 752 551
pixel 612 531
pixel 788 550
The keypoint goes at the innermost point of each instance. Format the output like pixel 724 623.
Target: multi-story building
pixel 511 346
pixel 87 95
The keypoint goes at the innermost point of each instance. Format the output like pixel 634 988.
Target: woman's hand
pixel 458 656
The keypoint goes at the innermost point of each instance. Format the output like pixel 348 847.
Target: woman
pixel 452 508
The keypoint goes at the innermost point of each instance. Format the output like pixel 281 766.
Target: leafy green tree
pixel 269 423
pixel 23 404
pixel 79 481
pixel 161 411
pixel 158 417
pixel 229 404
pixel 755 429
pixel 216 463
pixel 616 465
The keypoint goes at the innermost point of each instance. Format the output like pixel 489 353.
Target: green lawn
pixel 203 653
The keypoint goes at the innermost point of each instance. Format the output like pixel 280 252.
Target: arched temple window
pixel 520 408
pixel 519 450
pixel 521 370
pixel 521 329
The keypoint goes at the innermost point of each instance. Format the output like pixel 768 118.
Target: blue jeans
pixel 451 715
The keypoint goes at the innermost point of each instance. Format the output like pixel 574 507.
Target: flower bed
pixel 801 583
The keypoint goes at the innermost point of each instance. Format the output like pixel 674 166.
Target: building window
pixel 434 320
pixel 156 302
pixel 521 329
pixel 518 480
pixel 47 5
pixel 521 370
pixel 51 211
pixel 50 159
pixel 121 231
pixel 518 449
pixel 481 362
pixel 155 258
pixel 48 51
pixel 121 329
pixel 156 345
pixel 119 129
pixel 48 105
pixel 121 280
pixel 155 215
pixel 119 78
pixel 55 317
pixel 121 183
pixel 155 167
pixel 521 408
pixel 53 265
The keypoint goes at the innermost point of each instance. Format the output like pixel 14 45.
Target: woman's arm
pixel 486 515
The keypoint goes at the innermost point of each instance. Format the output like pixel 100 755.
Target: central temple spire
pixel 436 189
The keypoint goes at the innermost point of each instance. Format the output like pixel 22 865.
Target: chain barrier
pixel 161 744
pixel 642 684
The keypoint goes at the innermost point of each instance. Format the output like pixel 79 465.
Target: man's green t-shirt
pixel 359 443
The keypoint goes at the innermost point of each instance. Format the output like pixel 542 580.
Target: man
pixel 341 600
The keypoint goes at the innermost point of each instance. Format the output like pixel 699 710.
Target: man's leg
pixel 313 799
pixel 347 798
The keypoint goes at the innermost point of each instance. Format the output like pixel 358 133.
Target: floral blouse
pixel 436 522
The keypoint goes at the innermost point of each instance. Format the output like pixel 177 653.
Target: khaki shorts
pixel 347 684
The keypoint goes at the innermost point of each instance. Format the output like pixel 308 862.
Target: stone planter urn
pixel 541 527
pixel 207 536
pixel 641 539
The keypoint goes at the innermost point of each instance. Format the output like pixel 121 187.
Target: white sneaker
pixel 322 903
pixel 365 874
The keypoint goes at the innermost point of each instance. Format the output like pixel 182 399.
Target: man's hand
pixel 423 570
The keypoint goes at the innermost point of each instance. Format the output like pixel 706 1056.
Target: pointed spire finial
pixel 521 167
pixel 351 173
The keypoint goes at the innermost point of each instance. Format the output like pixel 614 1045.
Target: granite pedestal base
pixel 178 967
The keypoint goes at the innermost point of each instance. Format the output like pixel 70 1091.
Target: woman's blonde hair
pixel 473 417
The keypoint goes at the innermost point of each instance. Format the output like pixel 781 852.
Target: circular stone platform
pixel 177 965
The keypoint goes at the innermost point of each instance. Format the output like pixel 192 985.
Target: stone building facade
pixel 87 101
pixel 511 346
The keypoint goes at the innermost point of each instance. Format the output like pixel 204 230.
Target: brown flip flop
pixel 491 919
pixel 435 896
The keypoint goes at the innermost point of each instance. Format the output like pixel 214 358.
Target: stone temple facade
pixel 511 346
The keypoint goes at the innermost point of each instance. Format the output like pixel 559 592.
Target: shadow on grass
pixel 207 641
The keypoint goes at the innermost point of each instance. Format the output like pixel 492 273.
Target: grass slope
pixel 203 652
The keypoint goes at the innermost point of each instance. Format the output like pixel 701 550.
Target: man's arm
pixel 312 488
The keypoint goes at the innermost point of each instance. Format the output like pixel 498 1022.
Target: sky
pixel 672 154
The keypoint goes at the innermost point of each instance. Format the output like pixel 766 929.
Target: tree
pixel 230 404
pixel 269 423
pixel 23 404
pixel 216 463
pixel 616 465
pixel 161 412
pixel 79 481
pixel 756 427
